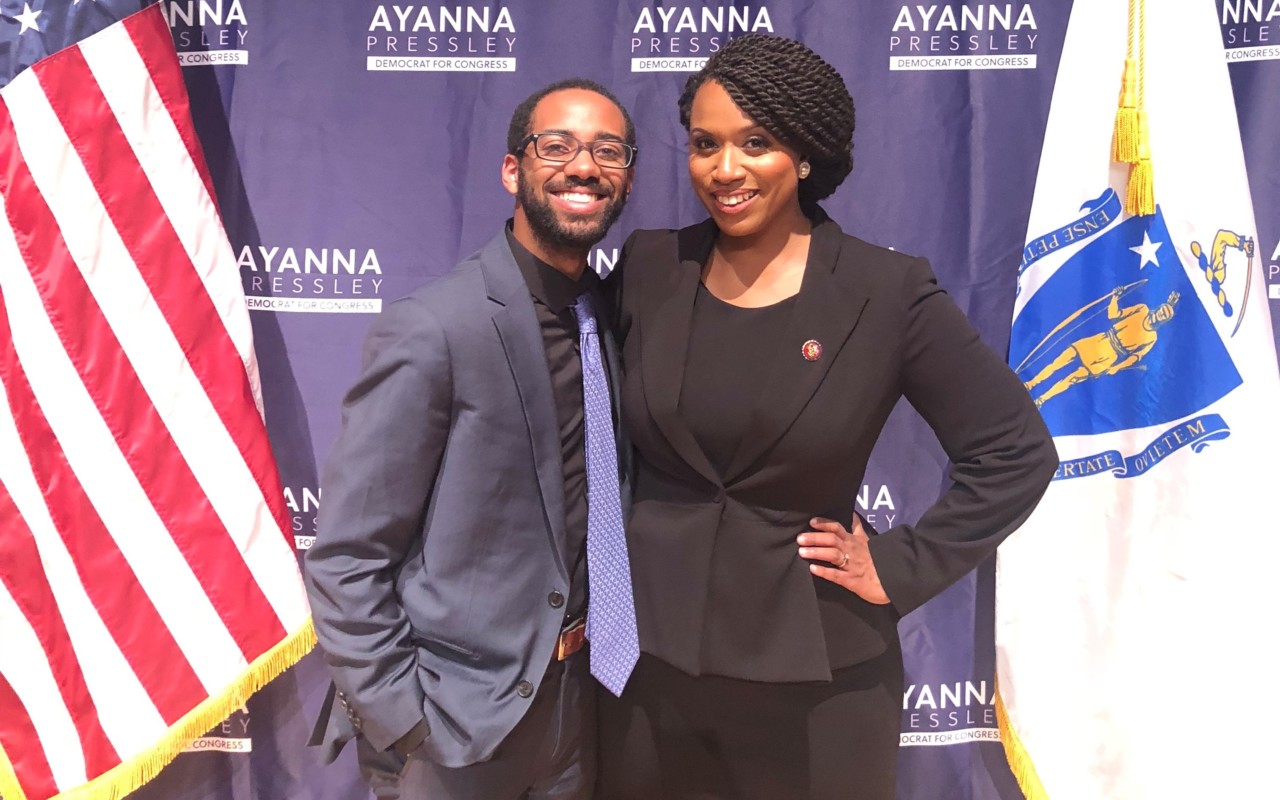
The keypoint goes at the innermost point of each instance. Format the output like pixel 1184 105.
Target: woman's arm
pixel 1001 452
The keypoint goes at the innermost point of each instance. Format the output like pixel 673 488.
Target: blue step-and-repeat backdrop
pixel 355 147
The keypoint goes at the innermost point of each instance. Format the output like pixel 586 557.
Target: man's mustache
pixel 594 186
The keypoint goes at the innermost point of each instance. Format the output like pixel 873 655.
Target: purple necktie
pixel 611 613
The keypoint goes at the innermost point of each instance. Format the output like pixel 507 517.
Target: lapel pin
pixel 811 350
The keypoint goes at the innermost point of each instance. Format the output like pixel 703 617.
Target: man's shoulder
pixel 461 288
pixel 465 280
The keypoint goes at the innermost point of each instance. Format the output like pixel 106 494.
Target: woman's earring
pixel 804 170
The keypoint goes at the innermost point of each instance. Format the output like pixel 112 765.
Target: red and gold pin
pixel 811 350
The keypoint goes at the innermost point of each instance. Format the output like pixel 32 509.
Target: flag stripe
pixel 156 660
pixel 170 125
pixel 147 444
pixel 235 492
pixel 125 711
pixel 30 762
pixel 30 598
pixel 165 474
pixel 162 149
pixel 162 260
pixel 152 42
pixel 174 134
pixel 108 482
pixel 190 297
pixel 170 134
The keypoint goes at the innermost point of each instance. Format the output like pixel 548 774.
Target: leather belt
pixel 571 639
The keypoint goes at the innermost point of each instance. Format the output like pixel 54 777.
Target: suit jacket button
pixel 524 689
pixel 555 599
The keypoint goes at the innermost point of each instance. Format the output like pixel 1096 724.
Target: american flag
pixel 146 582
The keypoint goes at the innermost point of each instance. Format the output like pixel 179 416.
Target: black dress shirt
pixel 553 295
pixel 722 384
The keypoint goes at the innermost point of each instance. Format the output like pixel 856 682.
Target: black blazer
pixel 720 588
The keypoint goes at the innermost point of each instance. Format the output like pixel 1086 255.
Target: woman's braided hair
pixel 792 93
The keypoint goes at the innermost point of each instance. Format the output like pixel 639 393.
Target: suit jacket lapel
pixel 522 341
pixel 664 340
pixel 826 311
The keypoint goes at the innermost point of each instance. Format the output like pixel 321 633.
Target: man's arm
pixel 1221 242
pixel 376 484
pixel 1113 308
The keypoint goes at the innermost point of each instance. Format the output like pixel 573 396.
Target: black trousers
pixel 672 736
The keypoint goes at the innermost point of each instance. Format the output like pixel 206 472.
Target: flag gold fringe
pixel 1124 138
pixel 133 773
pixel 8 777
pixel 1020 764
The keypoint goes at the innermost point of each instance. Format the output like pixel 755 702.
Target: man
pixel 476 468
pixel 1133 333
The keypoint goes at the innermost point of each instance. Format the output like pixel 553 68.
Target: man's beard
pixel 548 227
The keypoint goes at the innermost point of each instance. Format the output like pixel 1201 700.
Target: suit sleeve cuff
pixel 412 740
pixel 389 728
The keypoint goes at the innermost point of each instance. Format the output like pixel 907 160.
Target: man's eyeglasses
pixel 562 148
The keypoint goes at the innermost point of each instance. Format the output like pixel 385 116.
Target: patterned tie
pixel 611 613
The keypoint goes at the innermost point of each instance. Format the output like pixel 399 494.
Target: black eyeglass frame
pixel 631 150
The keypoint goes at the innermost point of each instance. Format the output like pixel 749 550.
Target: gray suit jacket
pixel 441 539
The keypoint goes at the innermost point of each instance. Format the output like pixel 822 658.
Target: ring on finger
pixel 845 561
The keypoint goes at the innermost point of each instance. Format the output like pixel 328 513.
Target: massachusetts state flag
pixel 147 586
pixel 1135 610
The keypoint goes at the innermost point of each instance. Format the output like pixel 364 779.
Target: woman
pixel 764 351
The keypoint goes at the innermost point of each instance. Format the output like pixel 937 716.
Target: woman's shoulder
pixel 873 268
pixel 698 234
pixel 833 242
pixel 649 235
pixel 864 252
pixel 651 251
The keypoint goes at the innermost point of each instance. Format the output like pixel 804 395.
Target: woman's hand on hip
pixel 847 554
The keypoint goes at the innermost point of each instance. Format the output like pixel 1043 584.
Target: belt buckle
pixel 571 639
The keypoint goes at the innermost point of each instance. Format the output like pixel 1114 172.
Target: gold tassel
pixel 1140 194
pixel 1140 199
pixel 1124 138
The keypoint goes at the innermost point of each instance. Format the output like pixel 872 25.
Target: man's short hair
pixel 519 127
